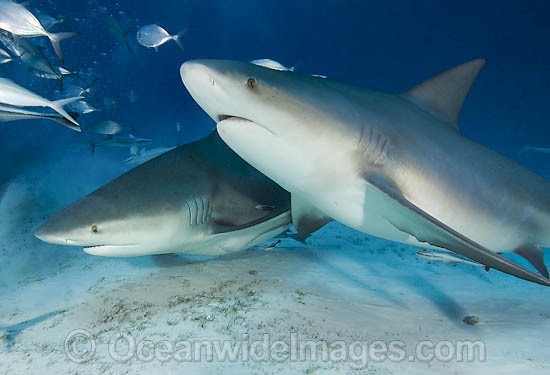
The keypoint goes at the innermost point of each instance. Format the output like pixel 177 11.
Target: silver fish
pixel 15 95
pixel 153 36
pixel 130 141
pixel 82 107
pixel 117 31
pixel 446 258
pixel 109 127
pixel 18 20
pixel 8 114
pixel 49 22
pixel 144 155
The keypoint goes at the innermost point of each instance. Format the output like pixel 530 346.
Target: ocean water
pixel 65 311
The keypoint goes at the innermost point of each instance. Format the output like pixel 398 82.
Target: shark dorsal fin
pixel 445 93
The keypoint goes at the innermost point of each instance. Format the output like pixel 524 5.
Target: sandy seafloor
pixel 343 285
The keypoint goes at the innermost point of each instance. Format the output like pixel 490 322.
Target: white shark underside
pixel 394 166
pixel 200 198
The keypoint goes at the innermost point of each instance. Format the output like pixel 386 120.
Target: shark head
pixel 260 114
pixel 108 223
pixel 200 198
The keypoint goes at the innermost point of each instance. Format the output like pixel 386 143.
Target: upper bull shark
pixel 393 166
pixel 200 198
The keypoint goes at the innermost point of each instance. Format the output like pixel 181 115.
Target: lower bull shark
pixel 393 166
pixel 200 198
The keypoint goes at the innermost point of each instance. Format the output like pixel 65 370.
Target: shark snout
pixel 46 234
pixel 196 72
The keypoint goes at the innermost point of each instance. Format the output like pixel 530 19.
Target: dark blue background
pixel 389 45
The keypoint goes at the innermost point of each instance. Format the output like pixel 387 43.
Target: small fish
pixel 272 246
pixel 544 150
pixel 48 21
pixel 110 103
pixel 272 64
pixel 19 21
pixel 15 95
pixel 446 258
pixel 118 32
pixel 143 155
pixel 275 65
pixel 119 141
pixel 110 127
pixel 8 114
pixel 5 57
pixel 132 96
pixel 153 36
pixel 82 107
pixel 33 56
pixel 87 89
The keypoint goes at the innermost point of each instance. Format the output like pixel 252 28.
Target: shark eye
pixel 94 228
pixel 251 82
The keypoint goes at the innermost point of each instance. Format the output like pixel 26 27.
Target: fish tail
pixel 59 104
pixel 133 128
pixel 298 63
pixel 178 36
pixel 56 39
pixel 60 85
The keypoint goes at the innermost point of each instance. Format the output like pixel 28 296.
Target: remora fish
pixel 275 65
pixel 13 94
pixel 199 198
pixel 154 36
pixel 8 114
pixel 16 19
pixel 445 258
pixel 393 166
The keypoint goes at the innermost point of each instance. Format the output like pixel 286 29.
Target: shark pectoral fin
pixel 446 92
pixel 535 256
pixel 409 218
pixel 305 217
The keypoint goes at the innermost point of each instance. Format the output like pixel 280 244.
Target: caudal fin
pixel 178 36
pixel 56 39
pixel 59 104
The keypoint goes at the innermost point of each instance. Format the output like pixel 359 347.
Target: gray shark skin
pixel 393 166
pixel 200 198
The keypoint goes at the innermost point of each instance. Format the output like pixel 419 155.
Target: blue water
pixel 387 45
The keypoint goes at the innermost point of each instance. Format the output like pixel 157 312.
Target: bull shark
pixel 392 166
pixel 200 198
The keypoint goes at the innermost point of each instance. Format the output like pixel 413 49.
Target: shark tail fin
pixel 59 104
pixel 178 36
pixel 56 39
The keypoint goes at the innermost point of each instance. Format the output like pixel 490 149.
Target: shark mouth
pixel 244 121
pixel 110 250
